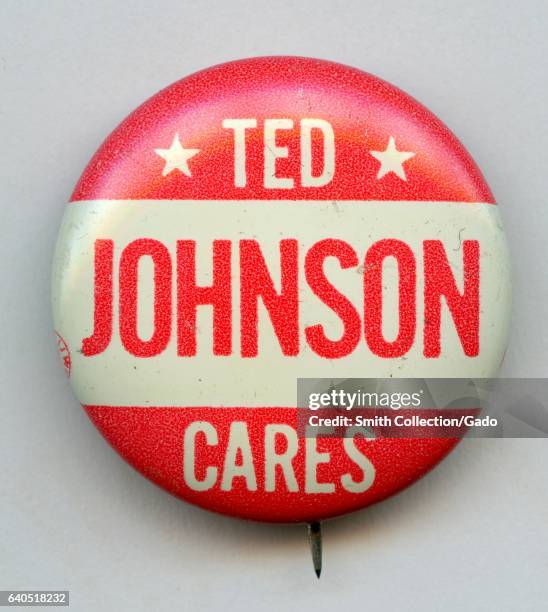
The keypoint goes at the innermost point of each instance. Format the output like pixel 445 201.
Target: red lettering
pixel 283 308
pixel 282 305
pixel 102 296
pixel 129 264
pixel 340 304
pixel 373 297
pixel 464 307
pixel 189 296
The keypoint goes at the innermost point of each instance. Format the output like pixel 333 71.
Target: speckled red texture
pixel 363 110
pixel 150 439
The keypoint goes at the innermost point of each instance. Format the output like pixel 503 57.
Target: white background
pixel 473 534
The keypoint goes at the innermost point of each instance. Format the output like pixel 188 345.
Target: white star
pixel 392 160
pixel 176 157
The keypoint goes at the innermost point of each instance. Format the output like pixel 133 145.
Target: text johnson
pixel 360 322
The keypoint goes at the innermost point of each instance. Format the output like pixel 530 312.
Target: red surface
pixel 364 111
pixel 151 439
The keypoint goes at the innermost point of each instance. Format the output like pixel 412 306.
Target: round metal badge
pixel 260 222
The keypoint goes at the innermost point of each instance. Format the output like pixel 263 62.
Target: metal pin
pixel 315 538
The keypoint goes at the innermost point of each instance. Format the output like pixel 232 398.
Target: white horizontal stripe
pixel 117 378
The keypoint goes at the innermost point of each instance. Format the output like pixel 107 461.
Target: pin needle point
pixel 315 538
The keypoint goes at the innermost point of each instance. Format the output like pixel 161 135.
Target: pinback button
pixel 258 222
